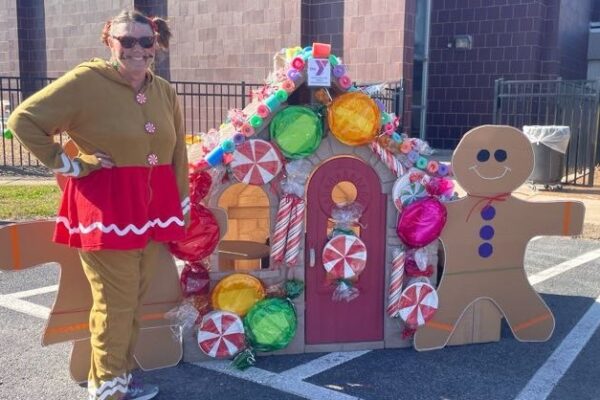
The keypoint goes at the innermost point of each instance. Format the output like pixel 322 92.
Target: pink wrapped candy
pixel 421 223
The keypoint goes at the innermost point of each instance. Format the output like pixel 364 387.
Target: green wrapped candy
pixel 297 131
pixel 271 324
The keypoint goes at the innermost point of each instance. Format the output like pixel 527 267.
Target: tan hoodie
pixel 101 112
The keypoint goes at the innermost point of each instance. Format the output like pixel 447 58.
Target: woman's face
pixel 129 47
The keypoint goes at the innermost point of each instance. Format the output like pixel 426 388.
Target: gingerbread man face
pixel 492 159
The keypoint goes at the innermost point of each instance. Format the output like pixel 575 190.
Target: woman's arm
pixel 51 111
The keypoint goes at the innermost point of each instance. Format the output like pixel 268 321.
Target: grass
pixel 28 201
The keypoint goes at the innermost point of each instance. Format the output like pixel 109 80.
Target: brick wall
pixel 323 22
pixel 512 39
pixel 573 33
pixel 378 42
pixel 9 44
pixel 230 40
pixel 73 31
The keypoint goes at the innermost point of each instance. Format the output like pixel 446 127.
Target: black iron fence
pixel 205 105
pixel 556 102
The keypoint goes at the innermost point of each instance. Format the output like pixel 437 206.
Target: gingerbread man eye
pixel 500 155
pixel 483 155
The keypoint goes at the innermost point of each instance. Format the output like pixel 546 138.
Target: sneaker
pixel 138 391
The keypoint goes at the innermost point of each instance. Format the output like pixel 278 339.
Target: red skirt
pixel 120 208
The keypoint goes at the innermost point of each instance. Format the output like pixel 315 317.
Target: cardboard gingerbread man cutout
pixel 29 244
pixel 486 235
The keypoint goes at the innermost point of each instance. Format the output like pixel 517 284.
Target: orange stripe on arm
pixel 15 247
pixel 567 218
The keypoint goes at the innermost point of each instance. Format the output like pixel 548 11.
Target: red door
pixel 360 320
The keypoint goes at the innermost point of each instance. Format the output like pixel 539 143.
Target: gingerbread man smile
pixel 490 178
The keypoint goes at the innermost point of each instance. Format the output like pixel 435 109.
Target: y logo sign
pixel 319 72
pixel 321 64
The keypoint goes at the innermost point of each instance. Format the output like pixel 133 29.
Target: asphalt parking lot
pixel 565 271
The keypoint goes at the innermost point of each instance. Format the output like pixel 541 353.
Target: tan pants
pixel 118 279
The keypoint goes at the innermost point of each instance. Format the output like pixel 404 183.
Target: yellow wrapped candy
pixel 237 293
pixel 354 118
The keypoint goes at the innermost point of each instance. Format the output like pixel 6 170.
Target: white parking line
pixel 564 267
pixel 32 292
pixel 25 307
pixel 277 381
pixel 547 377
pixel 321 364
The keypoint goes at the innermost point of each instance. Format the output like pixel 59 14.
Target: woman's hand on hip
pixel 105 160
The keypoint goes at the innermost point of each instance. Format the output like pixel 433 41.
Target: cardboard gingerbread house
pixel 354 156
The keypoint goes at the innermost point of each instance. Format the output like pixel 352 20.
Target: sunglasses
pixel 129 41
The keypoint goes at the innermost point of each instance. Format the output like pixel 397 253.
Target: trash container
pixel 550 144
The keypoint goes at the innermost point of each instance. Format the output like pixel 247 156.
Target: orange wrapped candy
pixel 237 293
pixel 354 118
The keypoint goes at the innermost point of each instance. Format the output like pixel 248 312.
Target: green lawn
pixel 28 201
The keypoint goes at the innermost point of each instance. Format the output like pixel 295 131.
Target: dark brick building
pixel 379 40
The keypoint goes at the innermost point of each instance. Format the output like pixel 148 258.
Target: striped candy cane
pixel 281 228
pixel 396 282
pixel 387 158
pixel 292 247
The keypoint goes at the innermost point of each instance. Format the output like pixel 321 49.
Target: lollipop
pixel 344 257
pixel 271 324
pixel 221 334
pixel 237 293
pixel 418 304
pixel 354 118
pixel 255 162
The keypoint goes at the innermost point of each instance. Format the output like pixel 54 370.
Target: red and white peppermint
pixel 221 334
pixel 152 159
pixel 256 162
pixel 344 257
pixel 141 98
pixel 149 127
pixel 418 304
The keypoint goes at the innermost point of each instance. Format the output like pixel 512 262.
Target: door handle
pixel 311 257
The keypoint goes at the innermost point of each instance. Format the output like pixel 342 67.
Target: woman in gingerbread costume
pixel 128 189
pixel 486 235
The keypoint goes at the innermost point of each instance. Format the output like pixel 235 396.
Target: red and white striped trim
pixel 185 205
pixel 69 167
pixel 109 388
pixel 82 229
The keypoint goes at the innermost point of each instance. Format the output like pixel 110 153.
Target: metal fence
pixel 556 102
pixel 205 105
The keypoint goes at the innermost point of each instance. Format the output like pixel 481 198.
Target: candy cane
pixel 387 158
pixel 396 281
pixel 292 246
pixel 281 228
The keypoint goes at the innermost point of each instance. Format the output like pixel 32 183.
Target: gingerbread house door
pixel 360 320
